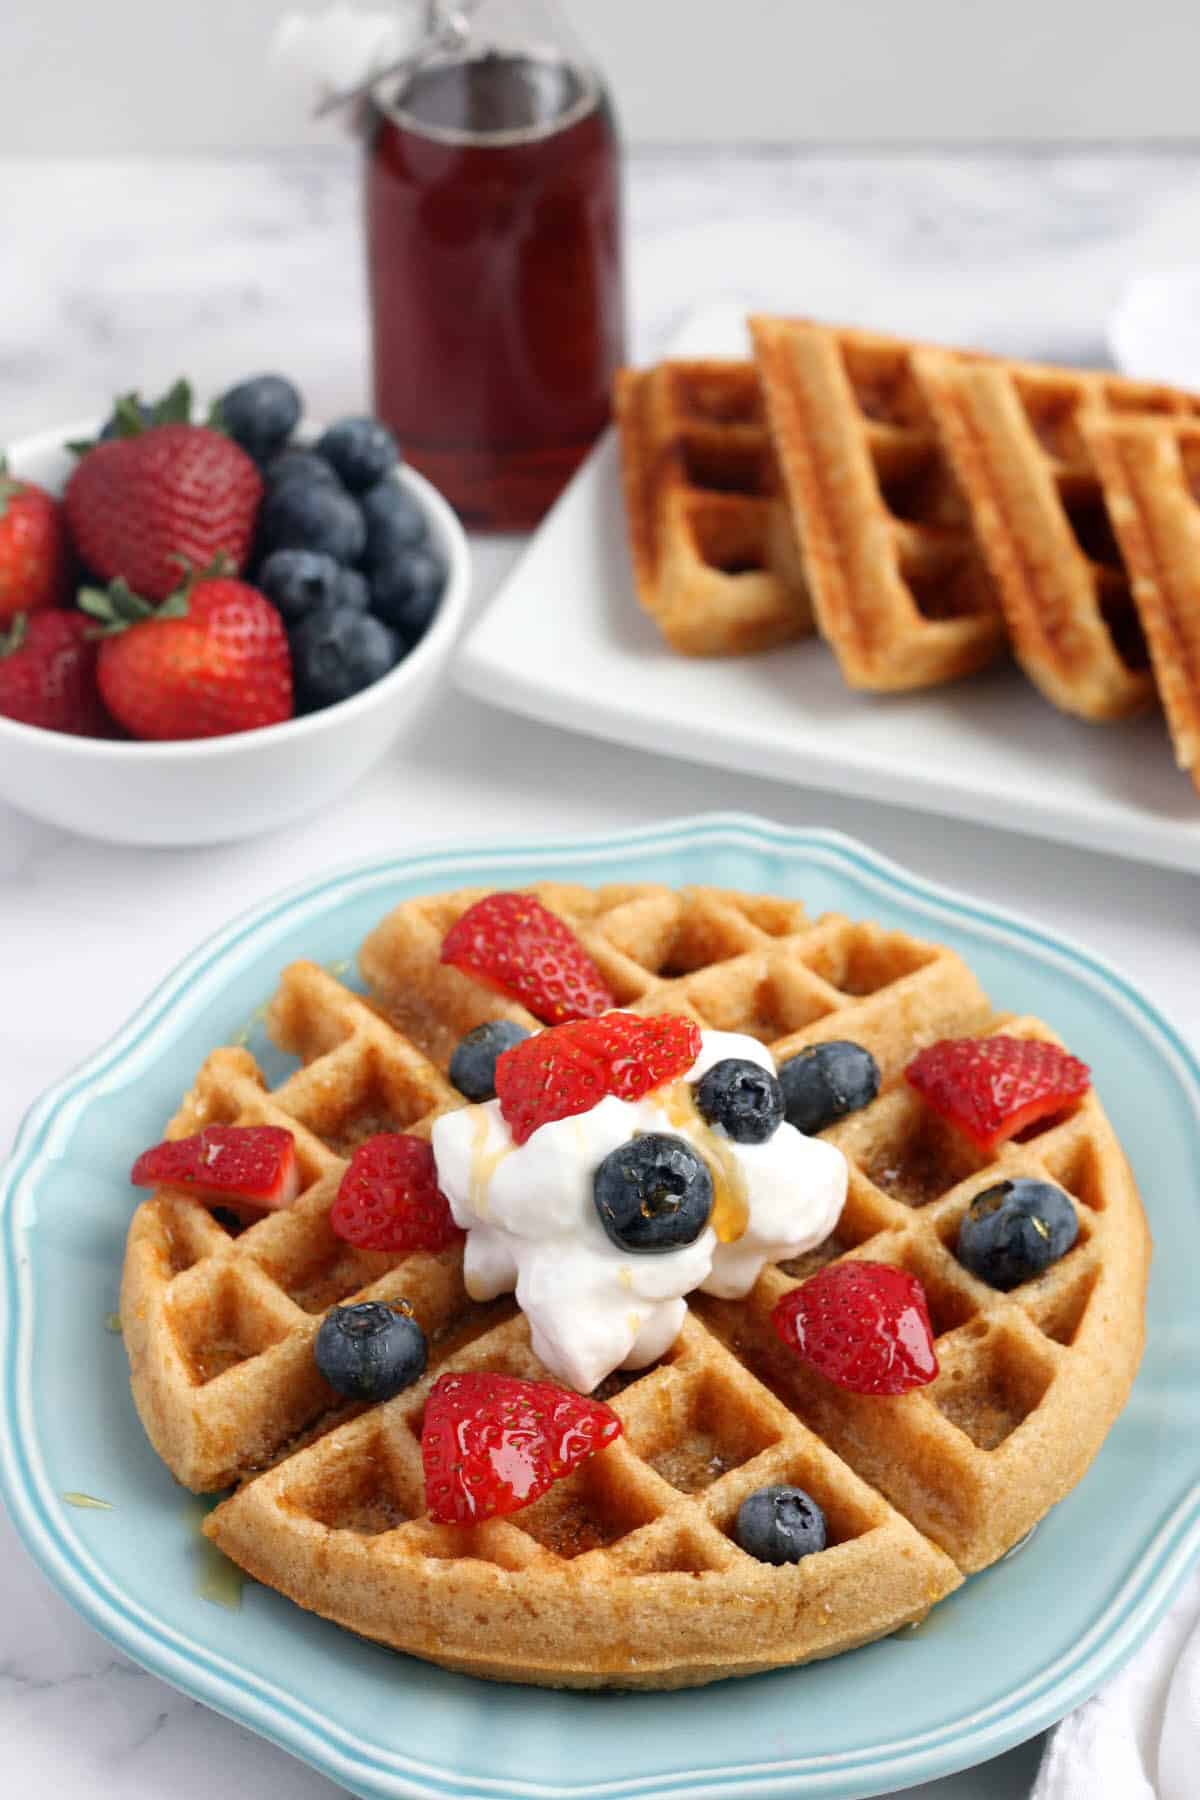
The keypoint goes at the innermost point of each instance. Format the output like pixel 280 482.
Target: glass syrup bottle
pixel 495 258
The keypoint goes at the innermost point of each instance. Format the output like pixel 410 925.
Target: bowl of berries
pixel 208 630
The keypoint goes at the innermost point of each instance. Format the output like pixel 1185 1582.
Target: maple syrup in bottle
pixel 494 262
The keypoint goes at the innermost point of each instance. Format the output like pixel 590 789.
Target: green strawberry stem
pixel 174 408
pixel 117 607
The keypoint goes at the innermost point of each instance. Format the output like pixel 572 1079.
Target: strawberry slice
pixel 226 1163
pixel 514 944
pixel 992 1088
pixel 558 1073
pixel 492 1444
pixel 389 1198
pixel 863 1325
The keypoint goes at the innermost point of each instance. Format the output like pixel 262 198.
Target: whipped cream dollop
pixel 532 1224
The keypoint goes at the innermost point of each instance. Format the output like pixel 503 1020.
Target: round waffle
pixel 626 1574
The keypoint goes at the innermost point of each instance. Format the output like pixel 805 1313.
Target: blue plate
pixel 1007 1654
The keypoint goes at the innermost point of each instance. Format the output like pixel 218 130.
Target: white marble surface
pixel 115 274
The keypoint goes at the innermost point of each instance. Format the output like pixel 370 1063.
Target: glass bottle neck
pixel 504 72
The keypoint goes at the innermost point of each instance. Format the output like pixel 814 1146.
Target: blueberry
pixel 310 516
pixel 743 1098
pixel 361 450
pixel 395 521
pixel 1014 1230
pixel 780 1525
pixel 405 592
pixel 297 464
pixel 827 1081
pixel 653 1194
pixel 352 590
pixel 260 414
pixel 370 1351
pixel 299 582
pixel 473 1065
pixel 336 653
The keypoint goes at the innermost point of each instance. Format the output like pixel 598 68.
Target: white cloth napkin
pixel 1139 1737
pixel 1154 333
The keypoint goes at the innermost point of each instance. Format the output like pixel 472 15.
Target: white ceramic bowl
pixel 210 790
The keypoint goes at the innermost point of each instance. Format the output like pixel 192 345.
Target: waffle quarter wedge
pixel 1015 434
pixel 626 1573
pixel 1150 470
pixel 714 555
pixel 900 590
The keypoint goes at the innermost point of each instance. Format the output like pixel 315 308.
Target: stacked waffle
pixel 921 507
pixel 627 1573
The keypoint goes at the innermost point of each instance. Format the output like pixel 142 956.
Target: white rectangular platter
pixel 564 641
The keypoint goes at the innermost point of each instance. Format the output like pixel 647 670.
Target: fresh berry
pixel 568 1069
pixel 303 582
pixel 307 515
pixel 992 1088
pixel 299 582
pixel 473 1065
pixel 395 522
pixel 35 551
pixel 494 1443
pixel 260 414
pixel 361 450
pixel 144 508
pixel 255 1164
pixel 406 591
pixel 512 943
pixel 825 1082
pixel 653 1194
pixel 372 1350
pixel 780 1525
pixel 352 591
pixel 337 653
pixel 213 659
pixel 48 674
pixel 742 1098
pixel 863 1325
pixel 298 464
pixel 389 1198
pixel 1014 1230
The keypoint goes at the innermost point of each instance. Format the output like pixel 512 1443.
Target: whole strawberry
pixel 143 507
pixel 212 660
pixel 35 550
pixel 48 674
